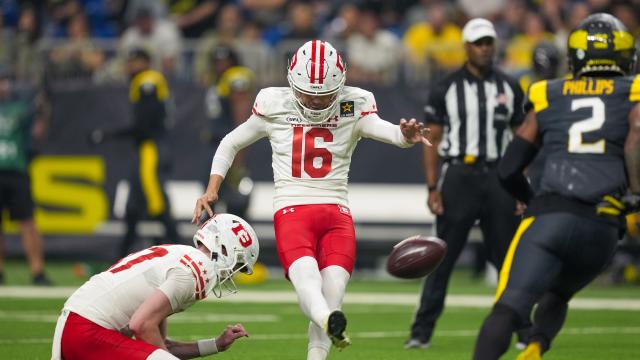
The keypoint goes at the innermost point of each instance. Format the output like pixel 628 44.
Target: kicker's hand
pixel 205 203
pixel 229 335
pixel 415 131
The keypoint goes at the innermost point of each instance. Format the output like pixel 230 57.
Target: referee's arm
pixel 431 158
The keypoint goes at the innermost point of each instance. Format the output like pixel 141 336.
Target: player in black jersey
pixel 589 126
pixel 148 96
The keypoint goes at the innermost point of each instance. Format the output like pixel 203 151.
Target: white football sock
pixel 307 281
pixel 334 283
pixel 319 343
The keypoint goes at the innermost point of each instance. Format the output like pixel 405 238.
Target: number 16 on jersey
pixel 304 152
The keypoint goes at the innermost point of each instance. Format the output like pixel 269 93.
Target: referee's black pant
pixel 469 193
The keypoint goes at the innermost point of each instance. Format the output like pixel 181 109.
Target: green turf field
pixel 278 330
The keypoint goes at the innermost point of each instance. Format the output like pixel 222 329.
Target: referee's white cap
pixel 478 28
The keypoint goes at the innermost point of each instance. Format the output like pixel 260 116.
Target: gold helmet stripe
pixel 578 40
pixel 622 40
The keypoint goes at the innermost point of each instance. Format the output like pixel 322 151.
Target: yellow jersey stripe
pixel 634 93
pixel 508 260
pixel 538 95
pixel 149 178
pixel 149 77
pixel 632 224
pixel 236 73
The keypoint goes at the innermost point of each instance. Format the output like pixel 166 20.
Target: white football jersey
pixel 310 161
pixel 110 298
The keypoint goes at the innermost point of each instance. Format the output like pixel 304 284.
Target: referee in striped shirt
pixel 471 114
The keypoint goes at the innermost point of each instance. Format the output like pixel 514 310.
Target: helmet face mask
pixel 234 248
pixel 601 46
pixel 316 69
pixel 315 114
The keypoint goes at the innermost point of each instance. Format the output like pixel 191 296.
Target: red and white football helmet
pixel 234 246
pixel 316 69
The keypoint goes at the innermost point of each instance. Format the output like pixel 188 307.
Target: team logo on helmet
pixel 323 69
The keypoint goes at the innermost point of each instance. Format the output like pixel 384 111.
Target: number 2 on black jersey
pixel 595 122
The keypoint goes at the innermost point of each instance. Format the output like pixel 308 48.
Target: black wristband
pixel 432 188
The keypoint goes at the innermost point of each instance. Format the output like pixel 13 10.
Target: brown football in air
pixel 416 256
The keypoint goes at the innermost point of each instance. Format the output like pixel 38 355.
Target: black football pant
pixel 147 197
pixel 551 257
pixel 469 193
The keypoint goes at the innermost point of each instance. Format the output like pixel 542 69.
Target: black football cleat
pixel 41 279
pixel 336 326
pixel 414 343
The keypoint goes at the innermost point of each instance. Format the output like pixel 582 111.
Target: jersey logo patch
pixel 293 119
pixel 346 108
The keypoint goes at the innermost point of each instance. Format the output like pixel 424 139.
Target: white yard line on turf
pixel 369 298
pixel 630 330
pixel 181 318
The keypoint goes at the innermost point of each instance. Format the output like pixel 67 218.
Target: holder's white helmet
pixel 316 69
pixel 234 247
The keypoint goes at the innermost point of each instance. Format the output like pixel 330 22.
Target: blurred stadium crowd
pixel 407 41
pixel 387 43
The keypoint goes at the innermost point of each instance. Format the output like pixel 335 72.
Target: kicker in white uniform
pixel 313 127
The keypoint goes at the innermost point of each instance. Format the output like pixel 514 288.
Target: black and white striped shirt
pixel 477 114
